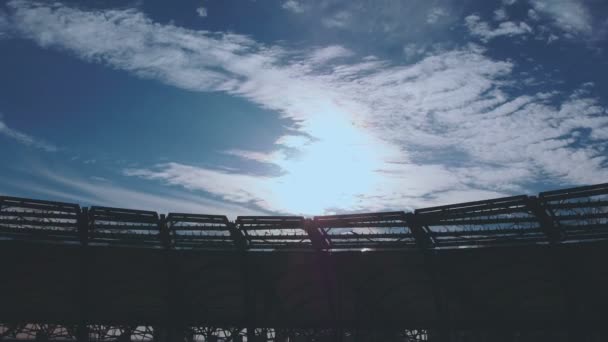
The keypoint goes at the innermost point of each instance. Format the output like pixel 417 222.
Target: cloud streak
pixel 4 25
pixel 571 16
pixel 435 14
pixel 293 6
pixel 485 32
pixel 25 139
pixel 202 12
pixel 369 133
pixel 105 193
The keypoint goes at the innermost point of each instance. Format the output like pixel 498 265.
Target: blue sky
pixel 301 107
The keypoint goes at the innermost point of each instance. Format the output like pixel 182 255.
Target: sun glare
pixel 330 172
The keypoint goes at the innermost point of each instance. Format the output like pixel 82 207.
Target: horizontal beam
pixel 580 212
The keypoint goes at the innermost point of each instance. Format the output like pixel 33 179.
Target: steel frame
pixel 561 216
pixel 575 215
pixel 124 333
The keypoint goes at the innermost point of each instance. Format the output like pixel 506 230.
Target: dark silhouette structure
pixel 522 268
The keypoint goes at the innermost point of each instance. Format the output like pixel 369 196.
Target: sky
pixel 300 107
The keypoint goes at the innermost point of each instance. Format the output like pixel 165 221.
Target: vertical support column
pixel 164 233
pixel 239 240
pixel 560 261
pixel 158 334
pixel 248 293
pixel 319 239
pixel 263 335
pixel 82 331
pixel 433 267
pixel 163 332
pixel 280 335
pixel 126 335
pixel 176 334
pixel 433 264
pixel 546 222
pixel 174 325
pixel 561 264
pixel 236 336
pixel 251 334
pixel 421 235
pixel 325 265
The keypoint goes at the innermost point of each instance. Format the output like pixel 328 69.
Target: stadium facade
pixel 521 268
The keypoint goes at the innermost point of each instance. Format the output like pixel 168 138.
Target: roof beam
pixel 547 224
pixel 421 235
pixel 320 241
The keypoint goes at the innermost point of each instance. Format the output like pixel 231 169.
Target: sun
pixel 330 171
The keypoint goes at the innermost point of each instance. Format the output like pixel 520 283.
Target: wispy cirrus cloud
pixel 500 14
pixel 202 12
pixel 24 138
pixel 102 192
pixel 571 16
pixel 341 19
pixel 371 133
pixel 3 24
pixel 485 32
pixel 293 6
pixel 385 20
pixel 435 14
pixel 328 53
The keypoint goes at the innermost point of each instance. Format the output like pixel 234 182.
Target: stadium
pixel 521 268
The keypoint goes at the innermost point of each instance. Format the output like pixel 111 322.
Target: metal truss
pixel 122 333
pixel 273 232
pixel 569 215
pixel 26 219
pixel 580 213
pixel 37 332
pixel 125 333
pixel 115 226
pixel 188 231
pixel 373 230
pixel 497 221
pixel 553 218
pixel 108 333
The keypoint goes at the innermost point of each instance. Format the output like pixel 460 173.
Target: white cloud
pixel 104 193
pixel 572 16
pixel 260 157
pixel 25 139
pixel 228 185
pixel 509 2
pixel 371 134
pixel 435 14
pixel 500 14
pixel 293 6
pixel 482 29
pixel 4 24
pixel 552 38
pixel 329 53
pixel 293 194
pixel 201 11
pixel 338 20
pixel 533 15
pixel 413 50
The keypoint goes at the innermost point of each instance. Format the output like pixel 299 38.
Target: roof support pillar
pixel 321 244
pixel 433 267
pixel 560 261
pixel 421 234
pixel 546 221
pixel 165 234
pixel 84 271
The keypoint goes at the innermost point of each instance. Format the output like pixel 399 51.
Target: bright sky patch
pixel 319 109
